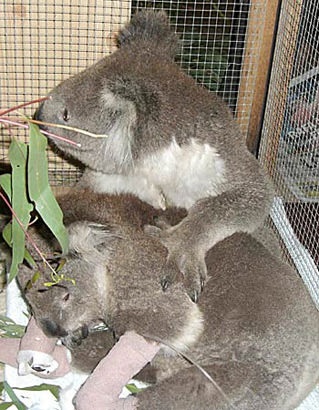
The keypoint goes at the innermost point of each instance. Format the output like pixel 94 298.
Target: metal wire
pixel 290 135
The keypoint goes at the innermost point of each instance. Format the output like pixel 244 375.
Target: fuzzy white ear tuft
pixel 92 241
pixel 121 134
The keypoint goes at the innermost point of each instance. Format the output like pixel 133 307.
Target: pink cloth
pixel 102 389
pixel 35 340
pixel 8 350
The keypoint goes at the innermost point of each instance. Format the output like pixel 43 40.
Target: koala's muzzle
pixel 39 113
pixel 52 329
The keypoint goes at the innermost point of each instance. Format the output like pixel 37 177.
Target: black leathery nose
pixel 38 113
pixel 52 329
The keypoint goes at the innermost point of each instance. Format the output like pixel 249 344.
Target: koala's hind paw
pixel 33 362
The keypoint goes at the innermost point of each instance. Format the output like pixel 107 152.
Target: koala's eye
pixel 66 297
pixel 66 115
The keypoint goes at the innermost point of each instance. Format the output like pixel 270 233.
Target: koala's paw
pixel 183 262
pixel 74 339
pixel 38 363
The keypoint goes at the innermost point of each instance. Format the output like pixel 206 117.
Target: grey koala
pixel 255 329
pixel 167 140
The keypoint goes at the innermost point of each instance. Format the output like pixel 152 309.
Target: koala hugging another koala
pixel 254 331
pixel 165 139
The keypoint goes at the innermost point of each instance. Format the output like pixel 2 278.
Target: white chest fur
pixel 176 175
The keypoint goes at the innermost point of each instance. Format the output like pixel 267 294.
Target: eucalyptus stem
pixel 67 127
pixel 23 105
pixel 21 124
pixel 30 239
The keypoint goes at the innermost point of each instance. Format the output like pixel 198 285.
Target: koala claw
pixel 193 270
pixel 202 284
pixel 165 284
pixel 194 295
pixel 182 261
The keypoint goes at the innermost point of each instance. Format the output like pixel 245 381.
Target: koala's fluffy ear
pixel 149 26
pixel 91 241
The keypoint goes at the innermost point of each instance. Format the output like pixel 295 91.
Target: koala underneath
pixel 255 329
pixel 168 140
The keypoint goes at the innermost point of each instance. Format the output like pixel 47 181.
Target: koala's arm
pixel 243 208
pixel 102 389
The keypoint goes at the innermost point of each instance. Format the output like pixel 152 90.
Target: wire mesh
pixel 290 137
pixel 44 42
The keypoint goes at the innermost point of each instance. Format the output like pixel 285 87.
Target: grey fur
pixel 261 330
pixel 143 101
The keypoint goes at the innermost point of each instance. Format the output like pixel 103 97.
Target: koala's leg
pixel 244 386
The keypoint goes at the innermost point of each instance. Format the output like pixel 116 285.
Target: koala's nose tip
pixel 52 329
pixel 38 113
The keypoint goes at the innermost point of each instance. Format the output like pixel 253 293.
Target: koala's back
pixel 261 328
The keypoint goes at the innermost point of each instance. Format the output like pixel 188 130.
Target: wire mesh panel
pixel 290 138
pixel 44 42
pixel 220 45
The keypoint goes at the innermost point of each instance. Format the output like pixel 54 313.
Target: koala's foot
pixel 183 261
pixel 33 362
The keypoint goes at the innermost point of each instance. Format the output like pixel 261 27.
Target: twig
pixel 67 127
pixel 27 234
pixel 20 124
pixel 23 105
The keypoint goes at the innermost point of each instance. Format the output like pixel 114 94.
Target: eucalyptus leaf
pixel 7 236
pixel 39 188
pixel 8 328
pixel 6 405
pixel 5 182
pixel 19 201
pixel 132 388
pixel 19 405
pixel 52 388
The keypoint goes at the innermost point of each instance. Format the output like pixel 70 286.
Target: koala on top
pixel 167 140
pixel 255 329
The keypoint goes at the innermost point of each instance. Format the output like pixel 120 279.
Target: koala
pixel 164 138
pixel 255 330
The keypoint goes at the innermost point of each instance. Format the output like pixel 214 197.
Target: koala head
pixel 118 98
pixel 77 301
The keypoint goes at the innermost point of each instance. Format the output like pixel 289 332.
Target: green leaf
pixel 39 188
pixel 19 405
pixel 52 388
pixel 5 182
pixel 6 405
pixel 8 328
pixel 7 236
pixel 132 388
pixel 19 202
